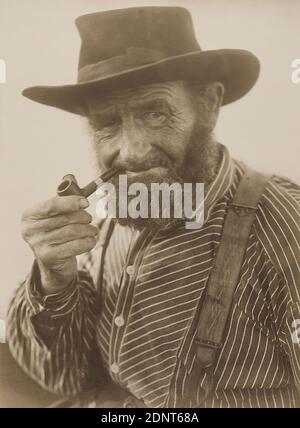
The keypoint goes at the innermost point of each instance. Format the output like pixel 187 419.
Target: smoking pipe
pixel 68 186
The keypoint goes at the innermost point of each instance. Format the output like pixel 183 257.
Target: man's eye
pixel 111 123
pixel 155 118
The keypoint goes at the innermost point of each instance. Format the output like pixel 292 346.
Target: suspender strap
pixel 227 264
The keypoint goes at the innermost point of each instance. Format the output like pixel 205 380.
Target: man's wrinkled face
pixel 155 133
pixel 143 129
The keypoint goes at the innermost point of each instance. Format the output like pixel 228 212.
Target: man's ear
pixel 215 95
pixel 215 92
pixel 207 100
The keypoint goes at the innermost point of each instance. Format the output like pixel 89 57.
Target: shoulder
pixel 282 192
pixel 279 208
pixel 277 227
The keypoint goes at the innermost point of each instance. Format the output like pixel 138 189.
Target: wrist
pixel 52 281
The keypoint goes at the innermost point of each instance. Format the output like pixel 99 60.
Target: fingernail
pixel 83 203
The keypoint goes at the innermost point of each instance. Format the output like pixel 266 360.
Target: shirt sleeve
pixel 291 334
pixel 279 231
pixel 53 337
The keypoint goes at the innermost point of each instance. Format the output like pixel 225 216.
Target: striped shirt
pixel 143 319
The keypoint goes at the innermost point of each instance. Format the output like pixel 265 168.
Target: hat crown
pixel 125 48
pixel 105 35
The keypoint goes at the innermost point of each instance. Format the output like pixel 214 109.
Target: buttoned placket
pixel 124 301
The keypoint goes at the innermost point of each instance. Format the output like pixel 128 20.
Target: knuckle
pixel 31 236
pixel 48 206
pixel 44 253
pixel 24 216
pixel 25 231
pixel 51 206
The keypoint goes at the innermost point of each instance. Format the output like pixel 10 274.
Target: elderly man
pixel 156 314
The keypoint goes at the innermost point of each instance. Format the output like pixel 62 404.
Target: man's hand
pixel 58 230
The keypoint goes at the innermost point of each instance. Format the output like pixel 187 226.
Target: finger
pixel 69 233
pixel 56 206
pixel 75 247
pixel 34 226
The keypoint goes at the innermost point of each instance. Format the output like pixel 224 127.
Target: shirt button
pixel 130 270
pixel 114 368
pixel 119 321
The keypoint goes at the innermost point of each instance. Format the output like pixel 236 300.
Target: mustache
pixel 152 160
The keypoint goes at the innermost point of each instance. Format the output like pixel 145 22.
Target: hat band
pixel 133 57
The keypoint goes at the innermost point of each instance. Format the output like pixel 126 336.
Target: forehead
pixel 171 92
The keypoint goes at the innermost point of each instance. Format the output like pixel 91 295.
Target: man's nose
pixel 134 145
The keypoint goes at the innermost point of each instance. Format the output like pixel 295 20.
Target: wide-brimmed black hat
pixel 130 47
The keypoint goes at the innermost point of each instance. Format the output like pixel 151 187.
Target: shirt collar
pixel 222 182
pixel 220 185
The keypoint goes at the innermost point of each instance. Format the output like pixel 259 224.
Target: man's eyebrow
pixel 160 93
pixel 140 94
pixel 156 103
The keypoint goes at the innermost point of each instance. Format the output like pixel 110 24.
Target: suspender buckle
pixel 206 351
pixel 242 210
pixel 207 343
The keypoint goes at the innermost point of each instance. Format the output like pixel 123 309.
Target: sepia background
pixel 38 144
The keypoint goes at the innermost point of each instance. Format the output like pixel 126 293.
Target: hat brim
pixel 237 69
